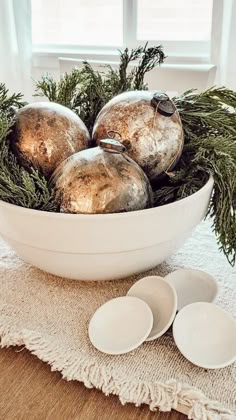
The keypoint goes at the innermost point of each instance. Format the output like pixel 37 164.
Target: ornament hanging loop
pixel 112 144
pixel 111 134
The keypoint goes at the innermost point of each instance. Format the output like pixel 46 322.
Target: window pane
pixel 77 22
pixel 174 20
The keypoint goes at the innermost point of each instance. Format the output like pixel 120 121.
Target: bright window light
pixel 174 20
pixel 182 26
pixel 77 22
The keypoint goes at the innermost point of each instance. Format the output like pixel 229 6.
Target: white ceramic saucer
pixel 120 325
pixel 161 297
pixel 192 286
pixel 206 335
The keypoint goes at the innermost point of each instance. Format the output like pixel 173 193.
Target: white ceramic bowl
pixel 103 246
pixel 206 335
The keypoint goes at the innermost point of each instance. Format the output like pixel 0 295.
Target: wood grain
pixel 30 391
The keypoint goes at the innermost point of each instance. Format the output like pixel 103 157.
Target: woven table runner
pixel 50 315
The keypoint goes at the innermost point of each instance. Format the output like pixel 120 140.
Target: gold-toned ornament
pixel 45 134
pixel 101 180
pixel 148 125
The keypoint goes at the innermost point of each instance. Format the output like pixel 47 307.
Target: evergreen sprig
pixel 17 186
pixel 86 90
pixel 210 148
pixel 9 102
pixel 207 112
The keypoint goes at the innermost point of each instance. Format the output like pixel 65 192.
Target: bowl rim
pixel 49 214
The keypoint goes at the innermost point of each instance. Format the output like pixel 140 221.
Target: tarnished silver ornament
pixel 101 180
pixel 45 134
pixel 148 125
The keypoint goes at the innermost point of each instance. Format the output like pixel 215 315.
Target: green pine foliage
pixel 86 90
pixel 17 186
pixel 210 148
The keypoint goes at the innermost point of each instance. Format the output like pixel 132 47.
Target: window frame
pixel 197 51
pixel 47 58
pixel 178 52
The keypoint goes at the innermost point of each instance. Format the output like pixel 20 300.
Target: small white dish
pixel 161 298
pixel 206 335
pixel 192 286
pixel 120 325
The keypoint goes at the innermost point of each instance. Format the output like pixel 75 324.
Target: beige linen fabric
pixel 50 316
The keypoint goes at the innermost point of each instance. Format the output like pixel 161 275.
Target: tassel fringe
pixel 157 395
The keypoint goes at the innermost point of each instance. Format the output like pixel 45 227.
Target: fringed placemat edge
pixel 158 395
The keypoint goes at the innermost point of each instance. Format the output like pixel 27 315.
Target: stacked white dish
pixel 203 332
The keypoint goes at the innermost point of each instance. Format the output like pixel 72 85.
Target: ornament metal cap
pixel 163 104
pixel 113 146
pixel 159 97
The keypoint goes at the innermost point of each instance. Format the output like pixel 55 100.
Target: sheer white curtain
pixel 15 46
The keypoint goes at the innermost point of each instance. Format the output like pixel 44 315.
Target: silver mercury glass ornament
pixel 101 180
pixel 148 124
pixel 46 133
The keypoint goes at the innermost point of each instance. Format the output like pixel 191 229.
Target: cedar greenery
pixel 86 91
pixel 17 186
pixel 209 123
pixel 210 148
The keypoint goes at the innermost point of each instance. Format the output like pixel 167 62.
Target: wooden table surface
pixel 30 391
